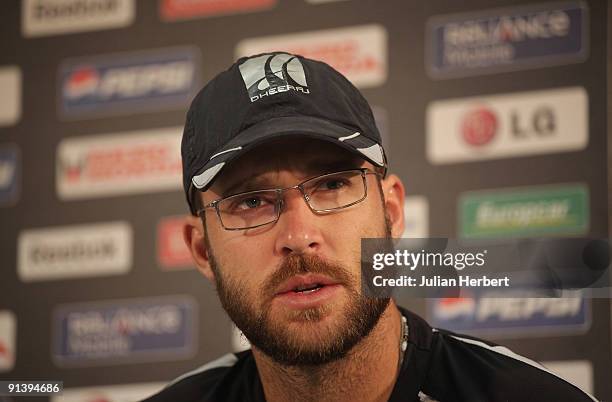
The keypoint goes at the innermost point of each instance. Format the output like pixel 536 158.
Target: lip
pixel 309 299
pixel 304 281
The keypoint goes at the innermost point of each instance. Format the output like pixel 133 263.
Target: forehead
pixel 304 156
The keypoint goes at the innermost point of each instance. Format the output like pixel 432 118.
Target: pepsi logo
pixel 454 307
pixel 82 82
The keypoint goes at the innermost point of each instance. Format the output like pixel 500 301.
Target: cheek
pixel 243 262
pixel 343 237
pixel 364 222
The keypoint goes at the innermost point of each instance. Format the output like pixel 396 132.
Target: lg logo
pixel 479 126
pixel 541 122
pixel 482 125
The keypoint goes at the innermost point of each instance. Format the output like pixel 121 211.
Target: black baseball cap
pixel 267 96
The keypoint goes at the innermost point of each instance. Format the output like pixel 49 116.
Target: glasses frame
pixel 279 197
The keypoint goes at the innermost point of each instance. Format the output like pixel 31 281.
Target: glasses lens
pixel 336 190
pixel 247 210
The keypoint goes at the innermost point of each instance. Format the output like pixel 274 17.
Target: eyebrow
pixel 258 181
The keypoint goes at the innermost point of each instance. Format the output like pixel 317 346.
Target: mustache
pixel 296 264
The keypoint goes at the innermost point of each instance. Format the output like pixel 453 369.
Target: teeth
pixel 307 288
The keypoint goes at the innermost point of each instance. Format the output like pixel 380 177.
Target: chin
pixel 324 314
pixel 316 324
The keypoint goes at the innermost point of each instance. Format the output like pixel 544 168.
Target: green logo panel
pixel 525 212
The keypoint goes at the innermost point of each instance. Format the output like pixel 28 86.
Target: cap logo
pixel 271 74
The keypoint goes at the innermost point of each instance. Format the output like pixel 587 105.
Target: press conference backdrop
pixel 494 113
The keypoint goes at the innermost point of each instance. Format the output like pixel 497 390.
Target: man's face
pixel 260 273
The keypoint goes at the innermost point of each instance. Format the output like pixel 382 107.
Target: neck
pixel 366 374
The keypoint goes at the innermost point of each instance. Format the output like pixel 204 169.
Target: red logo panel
pixel 171 10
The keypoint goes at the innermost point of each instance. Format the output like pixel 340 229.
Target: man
pixel 284 174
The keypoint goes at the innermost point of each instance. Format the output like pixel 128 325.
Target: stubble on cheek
pixel 243 296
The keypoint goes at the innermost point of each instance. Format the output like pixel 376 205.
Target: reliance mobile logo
pixel 359 53
pixel 110 393
pixel 52 17
pixel 507 39
pixel 508 316
pixel 128 331
pixel 270 74
pixel 126 83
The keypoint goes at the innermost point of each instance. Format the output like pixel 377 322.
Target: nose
pixel 297 228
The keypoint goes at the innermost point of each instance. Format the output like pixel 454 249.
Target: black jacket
pixel 438 366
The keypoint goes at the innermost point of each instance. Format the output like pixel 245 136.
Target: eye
pixel 333 184
pixel 251 202
pixel 248 202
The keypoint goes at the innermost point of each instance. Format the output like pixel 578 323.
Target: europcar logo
pixel 52 17
pixel 359 53
pixel 110 393
pixel 523 212
pixel 510 316
pixel 271 74
pixel 8 335
pixel 126 331
pixel 507 39
pixel 126 83
pixel 10 172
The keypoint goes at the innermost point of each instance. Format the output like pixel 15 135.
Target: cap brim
pixel 303 126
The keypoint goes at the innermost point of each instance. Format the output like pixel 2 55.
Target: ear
pixel 193 234
pixel 394 194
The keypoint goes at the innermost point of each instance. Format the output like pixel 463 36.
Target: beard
pixel 309 344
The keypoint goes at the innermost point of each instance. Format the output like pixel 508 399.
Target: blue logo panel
pixel 127 83
pixel 125 331
pixel 511 316
pixel 10 172
pixel 507 39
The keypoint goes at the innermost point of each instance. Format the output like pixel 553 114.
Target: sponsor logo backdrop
pixel 494 117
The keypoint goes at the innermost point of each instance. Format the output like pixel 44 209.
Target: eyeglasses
pixel 323 194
